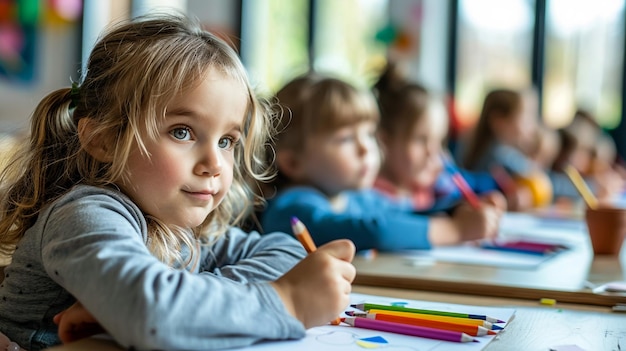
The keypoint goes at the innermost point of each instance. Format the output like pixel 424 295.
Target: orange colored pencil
pixel 303 235
pixel 431 317
pixel 473 330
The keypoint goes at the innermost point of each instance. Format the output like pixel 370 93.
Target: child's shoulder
pixel 86 199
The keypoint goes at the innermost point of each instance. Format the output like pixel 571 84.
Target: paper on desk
pixel 469 254
pixel 346 338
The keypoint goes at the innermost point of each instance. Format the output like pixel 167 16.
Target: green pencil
pixel 373 306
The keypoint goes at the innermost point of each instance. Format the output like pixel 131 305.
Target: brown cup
pixel 607 228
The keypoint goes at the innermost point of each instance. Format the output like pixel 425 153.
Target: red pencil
pixel 461 183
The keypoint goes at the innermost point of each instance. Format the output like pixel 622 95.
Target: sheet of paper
pixel 469 254
pixel 346 338
pixel 514 226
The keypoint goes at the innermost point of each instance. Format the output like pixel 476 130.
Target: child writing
pixel 124 204
pixel 328 157
pixel 412 132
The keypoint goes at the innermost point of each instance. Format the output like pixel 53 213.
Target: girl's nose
pixel 210 164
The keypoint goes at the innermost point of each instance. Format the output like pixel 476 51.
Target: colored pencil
pixel 473 330
pixel 405 329
pixel 503 179
pixel 433 317
pixel 581 186
pixel 461 183
pixel 303 235
pixel 522 246
pixel 371 306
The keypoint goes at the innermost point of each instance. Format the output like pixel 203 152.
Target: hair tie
pixel 74 95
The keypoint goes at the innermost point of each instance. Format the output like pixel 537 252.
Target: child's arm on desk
pixel 314 291
pixel 467 222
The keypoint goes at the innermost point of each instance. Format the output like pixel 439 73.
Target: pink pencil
pixel 461 183
pixel 407 329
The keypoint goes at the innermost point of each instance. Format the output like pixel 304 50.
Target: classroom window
pixel 345 38
pixel 494 51
pixel 274 45
pixel 584 59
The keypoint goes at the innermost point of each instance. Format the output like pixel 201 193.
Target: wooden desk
pixel 566 280
pixel 534 327
pixel 567 277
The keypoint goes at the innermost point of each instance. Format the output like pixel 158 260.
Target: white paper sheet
pixel 346 338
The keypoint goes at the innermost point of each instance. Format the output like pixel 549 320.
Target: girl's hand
pixel 495 199
pixel 318 288
pixel 76 323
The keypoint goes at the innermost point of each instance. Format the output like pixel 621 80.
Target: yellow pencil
pixel 303 235
pixel 432 317
pixel 582 187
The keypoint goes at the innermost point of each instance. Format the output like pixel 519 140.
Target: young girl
pixel 412 131
pixel 328 158
pixel 505 137
pixel 125 199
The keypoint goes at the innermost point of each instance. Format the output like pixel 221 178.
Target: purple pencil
pixel 407 329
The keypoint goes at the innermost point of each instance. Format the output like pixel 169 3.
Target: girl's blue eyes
pixel 181 133
pixel 184 134
pixel 226 143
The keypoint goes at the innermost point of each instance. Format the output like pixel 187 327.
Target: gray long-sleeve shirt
pixel 90 245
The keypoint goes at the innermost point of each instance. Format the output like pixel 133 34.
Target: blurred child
pixel 412 132
pixel 547 145
pixel 125 204
pixel 505 136
pixel 328 157
pixel 591 151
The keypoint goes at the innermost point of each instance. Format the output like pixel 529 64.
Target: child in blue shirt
pixel 328 157
pixel 120 215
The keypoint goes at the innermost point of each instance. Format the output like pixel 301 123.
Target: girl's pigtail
pixel 38 174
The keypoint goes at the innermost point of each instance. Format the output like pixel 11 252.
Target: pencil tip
pixel 476 340
pixel 294 220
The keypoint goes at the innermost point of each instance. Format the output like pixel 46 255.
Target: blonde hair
pixel 133 72
pixel 313 104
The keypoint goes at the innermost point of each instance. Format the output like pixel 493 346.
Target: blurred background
pixel 570 51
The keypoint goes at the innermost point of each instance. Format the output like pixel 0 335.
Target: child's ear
pixel 95 144
pixel 288 163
